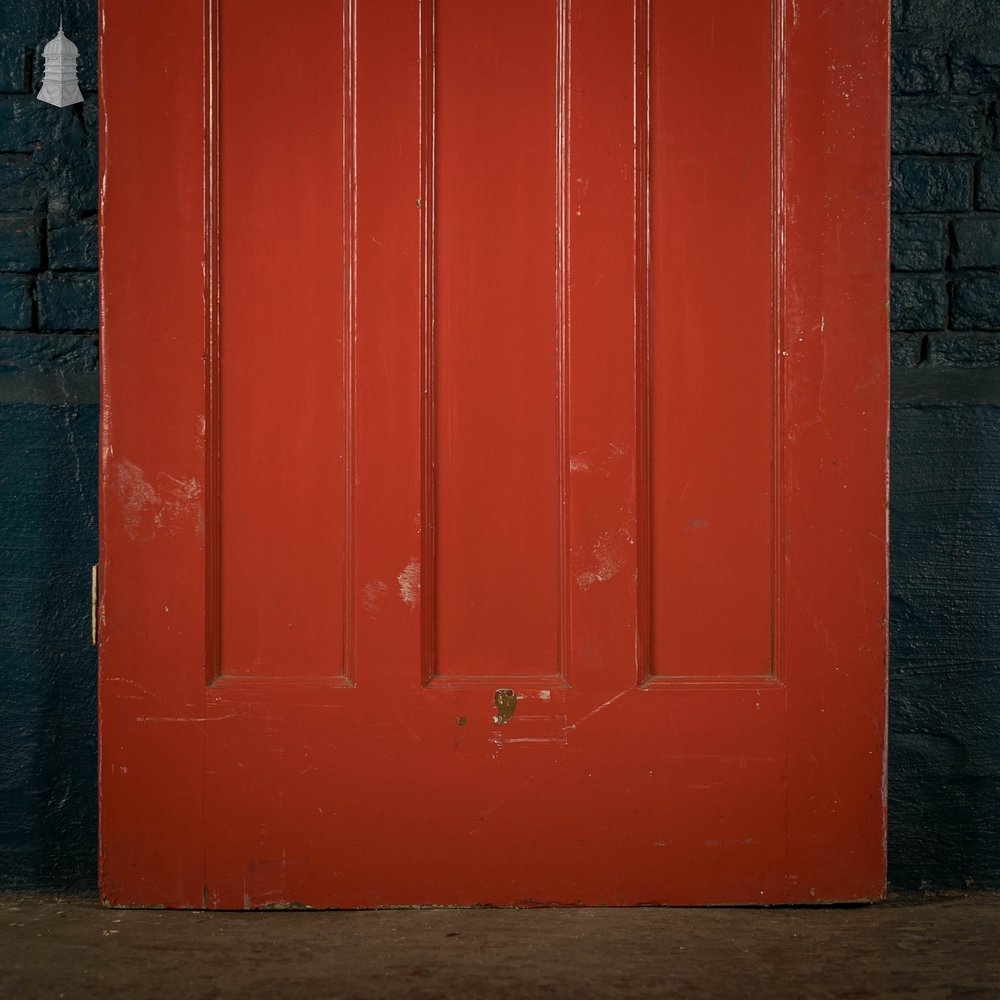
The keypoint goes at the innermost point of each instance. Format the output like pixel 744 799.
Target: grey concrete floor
pixel 945 946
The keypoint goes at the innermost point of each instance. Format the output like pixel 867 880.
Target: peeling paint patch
pixel 409 584
pixel 505 701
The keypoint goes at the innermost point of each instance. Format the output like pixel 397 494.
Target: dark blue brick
pixel 965 350
pixel 975 65
pixel 21 186
pixel 977 242
pixel 946 16
pixel 20 243
pixel 16 300
pixel 67 301
pixel 73 246
pixel 905 349
pixel 71 165
pixel 918 69
pixel 14 65
pixel 25 122
pixel 975 302
pixel 918 303
pixel 49 353
pixel 988 183
pixel 938 128
pixel 920 184
pixel 918 244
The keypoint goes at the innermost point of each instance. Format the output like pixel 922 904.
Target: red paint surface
pixel 281 291
pixel 519 354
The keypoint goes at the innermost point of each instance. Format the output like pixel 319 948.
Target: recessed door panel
pixel 278 434
pixel 714 236
pixel 494 342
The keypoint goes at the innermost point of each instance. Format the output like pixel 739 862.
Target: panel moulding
pixel 644 359
pixel 428 107
pixel 213 338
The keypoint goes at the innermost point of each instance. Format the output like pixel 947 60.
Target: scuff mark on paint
pixel 409 584
pixel 372 595
pixel 171 503
pixel 600 708
pixel 136 495
pixel 601 460
pixel 610 553
pixel 185 718
pixel 558 740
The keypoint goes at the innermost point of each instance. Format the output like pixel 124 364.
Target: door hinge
pixel 93 605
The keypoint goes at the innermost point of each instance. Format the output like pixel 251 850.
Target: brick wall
pixel 944 677
pixel 48 177
pixel 48 455
pixel 946 182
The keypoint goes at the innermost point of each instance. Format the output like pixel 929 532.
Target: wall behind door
pixel 944 697
pixel 48 455
pixel 944 772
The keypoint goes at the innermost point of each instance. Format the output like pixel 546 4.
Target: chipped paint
pixel 505 701
pixel 409 584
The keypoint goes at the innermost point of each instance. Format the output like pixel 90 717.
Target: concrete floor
pixel 944 946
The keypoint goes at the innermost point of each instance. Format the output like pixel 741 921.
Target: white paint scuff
pixel 371 596
pixel 171 503
pixel 610 553
pixel 409 584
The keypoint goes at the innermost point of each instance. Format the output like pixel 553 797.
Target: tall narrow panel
pixel 282 371
pixel 710 206
pixel 495 340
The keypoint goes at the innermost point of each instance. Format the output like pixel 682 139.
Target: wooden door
pixel 493 452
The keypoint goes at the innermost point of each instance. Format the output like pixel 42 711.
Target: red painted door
pixel 493 452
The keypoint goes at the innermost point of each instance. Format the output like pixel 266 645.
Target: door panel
pixel 715 147
pixel 494 343
pixel 283 363
pixel 493 505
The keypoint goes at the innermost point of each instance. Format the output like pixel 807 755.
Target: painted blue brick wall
pixel 48 455
pixel 48 175
pixel 946 182
pixel 944 770
pixel 944 686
